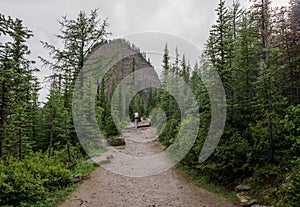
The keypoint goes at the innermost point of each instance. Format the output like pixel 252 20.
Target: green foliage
pixel 170 131
pixel 78 36
pixel 228 164
pixel 288 193
pixel 18 89
pixel 205 182
pixel 267 176
pixel 37 178
pixel 291 129
pixel 256 53
pixel 32 179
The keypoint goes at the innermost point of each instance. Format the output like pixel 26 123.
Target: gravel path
pixel 109 187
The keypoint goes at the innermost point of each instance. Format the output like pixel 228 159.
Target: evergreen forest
pixel 256 52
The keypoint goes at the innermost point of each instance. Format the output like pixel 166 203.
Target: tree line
pixel 39 149
pixel 256 52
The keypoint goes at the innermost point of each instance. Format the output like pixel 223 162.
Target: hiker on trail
pixel 136 119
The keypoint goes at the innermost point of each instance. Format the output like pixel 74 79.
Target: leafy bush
pixel 17 183
pixel 169 133
pixel 267 175
pixel 228 164
pixel 30 180
pixel 288 193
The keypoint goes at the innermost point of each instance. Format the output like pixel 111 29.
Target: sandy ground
pixel 129 180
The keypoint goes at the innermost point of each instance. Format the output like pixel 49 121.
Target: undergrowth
pixel 38 180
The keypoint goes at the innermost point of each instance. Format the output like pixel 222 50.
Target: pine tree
pixel 165 63
pixel 17 94
pixel 268 96
pixel 79 36
pixel 287 42
pixel 245 71
pixel 219 43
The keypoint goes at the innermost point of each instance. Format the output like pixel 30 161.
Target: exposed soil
pixel 108 187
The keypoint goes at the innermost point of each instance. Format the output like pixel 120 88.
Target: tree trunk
pixel 50 141
pixel 20 144
pixel 1 153
pixel 2 118
pixel 67 141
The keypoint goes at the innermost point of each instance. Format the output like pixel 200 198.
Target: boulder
pixel 80 177
pixel 242 188
pixel 116 142
pixel 243 198
pixel 249 203
pixel 246 200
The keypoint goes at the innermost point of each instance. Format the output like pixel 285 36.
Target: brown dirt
pixel 167 188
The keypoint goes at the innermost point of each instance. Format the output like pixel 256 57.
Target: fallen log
pixel 144 125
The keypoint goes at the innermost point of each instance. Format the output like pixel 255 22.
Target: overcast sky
pixel 190 20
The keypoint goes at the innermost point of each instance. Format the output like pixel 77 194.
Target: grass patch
pixel 204 182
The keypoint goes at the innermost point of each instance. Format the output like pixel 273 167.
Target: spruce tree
pixel 79 36
pixel 17 94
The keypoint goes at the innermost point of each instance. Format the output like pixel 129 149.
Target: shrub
pixel 31 179
pixel 288 193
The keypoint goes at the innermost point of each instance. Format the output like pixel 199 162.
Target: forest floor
pixel 110 185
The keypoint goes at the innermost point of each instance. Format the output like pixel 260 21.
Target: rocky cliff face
pixel 131 62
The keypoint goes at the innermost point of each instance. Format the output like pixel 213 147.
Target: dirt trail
pixel 168 188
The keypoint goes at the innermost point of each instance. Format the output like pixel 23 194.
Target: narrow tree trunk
pixel 1 133
pixel 263 30
pixel 271 137
pixel 50 141
pixel 1 153
pixel 2 118
pixel 67 141
pixel 20 144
